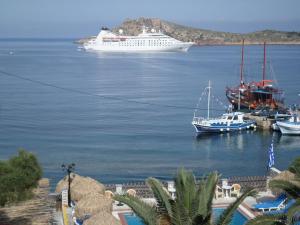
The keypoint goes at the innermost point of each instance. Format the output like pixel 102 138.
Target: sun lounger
pixel 285 209
pixel 272 205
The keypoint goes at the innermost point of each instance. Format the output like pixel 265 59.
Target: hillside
pixel 206 37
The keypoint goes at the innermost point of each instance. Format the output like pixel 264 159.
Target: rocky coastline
pixel 204 37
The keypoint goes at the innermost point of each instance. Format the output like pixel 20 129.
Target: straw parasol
pixel 285 175
pixel 80 186
pixel 63 183
pixel 102 218
pixel 93 203
pixel 84 186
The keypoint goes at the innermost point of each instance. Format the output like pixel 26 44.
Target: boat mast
pixel 241 75
pixel 242 64
pixel 208 99
pixel 264 66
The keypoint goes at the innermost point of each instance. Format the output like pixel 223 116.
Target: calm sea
pixel 124 117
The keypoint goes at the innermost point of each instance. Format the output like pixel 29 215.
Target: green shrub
pixel 18 176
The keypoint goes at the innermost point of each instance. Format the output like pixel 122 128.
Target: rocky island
pixel 203 36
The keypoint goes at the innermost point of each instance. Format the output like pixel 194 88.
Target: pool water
pixel 131 219
pixel 238 218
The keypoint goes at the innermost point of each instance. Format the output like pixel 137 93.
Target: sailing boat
pixel 228 122
pixel 255 94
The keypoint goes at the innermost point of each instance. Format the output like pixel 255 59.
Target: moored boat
pixel 280 117
pixel 255 94
pixel 228 122
pixel 291 126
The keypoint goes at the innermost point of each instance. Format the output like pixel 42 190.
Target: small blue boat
pixel 228 122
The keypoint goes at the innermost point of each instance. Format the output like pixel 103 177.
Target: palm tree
pixel 191 206
pixel 292 188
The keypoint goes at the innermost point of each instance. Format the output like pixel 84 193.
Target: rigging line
pixel 95 95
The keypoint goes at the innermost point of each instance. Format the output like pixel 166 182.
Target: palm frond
pixel 200 220
pixel 292 189
pixel 205 194
pixel 267 220
pixel 293 212
pixel 161 195
pixel 226 217
pixel 295 167
pixel 185 184
pixel 210 187
pixel 145 211
pixel 180 214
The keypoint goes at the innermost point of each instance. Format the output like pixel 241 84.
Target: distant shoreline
pixel 84 40
pixel 204 37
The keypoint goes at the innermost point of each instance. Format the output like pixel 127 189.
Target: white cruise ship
pixel 146 41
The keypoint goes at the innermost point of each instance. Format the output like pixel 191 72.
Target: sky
pixel 80 18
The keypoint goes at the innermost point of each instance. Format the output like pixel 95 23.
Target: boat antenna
pixel 208 99
pixel 242 62
pixel 264 66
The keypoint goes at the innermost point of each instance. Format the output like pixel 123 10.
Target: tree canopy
pixel 18 176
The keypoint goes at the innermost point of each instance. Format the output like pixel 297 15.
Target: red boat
pixel 255 94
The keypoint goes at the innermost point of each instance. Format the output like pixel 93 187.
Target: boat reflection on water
pixel 286 142
pixel 236 140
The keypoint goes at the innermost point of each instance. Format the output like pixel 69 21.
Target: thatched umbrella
pixel 84 186
pixel 63 183
pixel 80 186
pixel 102 218
pixel 93 203
pixel 284 175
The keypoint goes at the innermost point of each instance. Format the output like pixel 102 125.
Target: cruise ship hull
pixel 179 47
pixel 107 41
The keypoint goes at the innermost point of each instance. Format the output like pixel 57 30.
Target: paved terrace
pixel 143 191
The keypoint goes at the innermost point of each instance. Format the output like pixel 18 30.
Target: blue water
pixel 113 117
pixel 237 219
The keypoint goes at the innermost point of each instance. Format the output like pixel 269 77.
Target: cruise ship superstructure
pixel 146 41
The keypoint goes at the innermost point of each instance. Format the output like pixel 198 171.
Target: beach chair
pixel 131 192
pixel 284 210
pixel 272 205
pixel 109 194
pixel 219 192
pixel 235 190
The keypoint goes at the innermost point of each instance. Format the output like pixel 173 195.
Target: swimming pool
pixel 238 218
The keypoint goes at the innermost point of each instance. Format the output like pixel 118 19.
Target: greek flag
pixel 271 156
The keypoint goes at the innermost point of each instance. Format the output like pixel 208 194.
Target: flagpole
pixel 271 162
